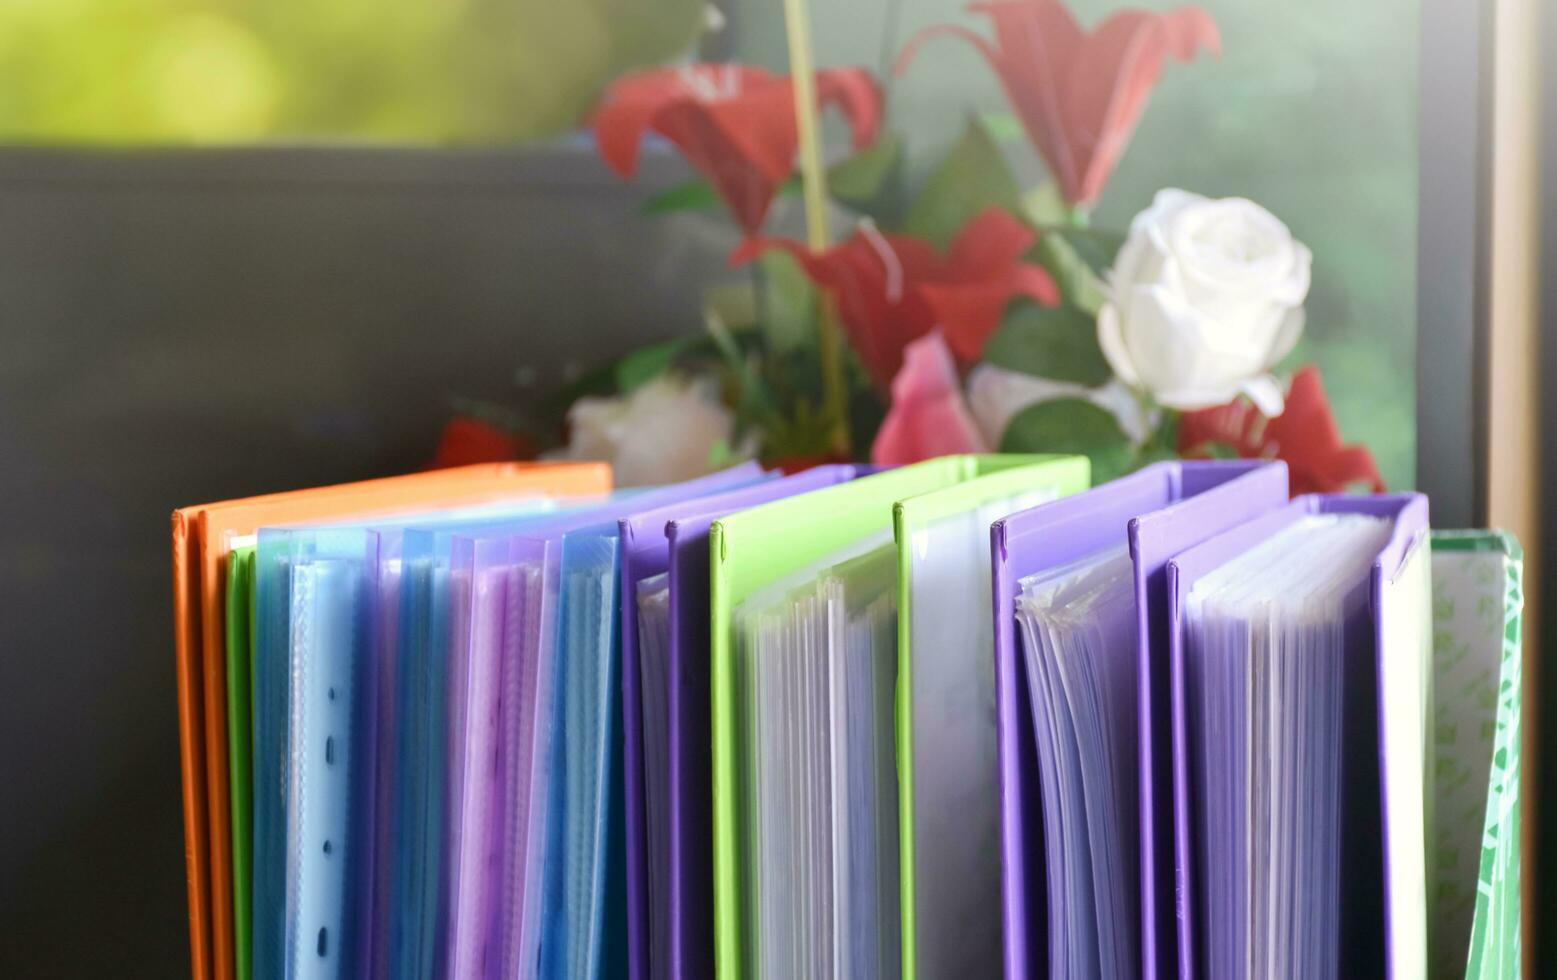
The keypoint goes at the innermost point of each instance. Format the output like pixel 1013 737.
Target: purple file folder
pixel 1367 913
pixel 674 539
pixel 1157 511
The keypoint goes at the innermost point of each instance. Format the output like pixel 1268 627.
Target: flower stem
pixel 813 182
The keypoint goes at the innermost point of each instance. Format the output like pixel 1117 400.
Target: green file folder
pixel 756 550
pixel 240 689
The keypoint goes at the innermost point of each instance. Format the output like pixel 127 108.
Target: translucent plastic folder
pixel 803 666
pixel 1382 804
pixel 424 627
pixel 202 537
pixel 536 881
pixel 1302 695
pixel 1079 636
pixel 1478 602
pixel 949 814
pixel 454 821
pixel 389 739
pixel 336 692
pixel 665 713
pixel 1152 513
pixel 325 673
pixel 290 556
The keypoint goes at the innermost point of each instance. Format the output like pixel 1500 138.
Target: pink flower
pixel 1079 95
pixel 733 123
pixel 894 289
pixel 928 416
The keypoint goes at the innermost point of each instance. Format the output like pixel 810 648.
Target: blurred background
pixel 249 245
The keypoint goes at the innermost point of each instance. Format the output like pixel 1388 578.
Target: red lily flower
pixel 734 124
pixel 467 440
pixel 1304 436
pixel 1079 95
pixel 893 289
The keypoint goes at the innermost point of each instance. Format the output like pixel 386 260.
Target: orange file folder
pixel 201 541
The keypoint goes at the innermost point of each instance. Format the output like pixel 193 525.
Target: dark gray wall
pixel 177 328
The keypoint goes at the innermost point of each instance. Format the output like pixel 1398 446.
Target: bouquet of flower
pixel 974 314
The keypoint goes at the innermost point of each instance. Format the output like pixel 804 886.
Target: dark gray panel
pixel 184 327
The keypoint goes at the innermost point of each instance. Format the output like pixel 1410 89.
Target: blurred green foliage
pixel 423 71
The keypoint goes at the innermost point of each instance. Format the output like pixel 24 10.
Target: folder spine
pixel 191 732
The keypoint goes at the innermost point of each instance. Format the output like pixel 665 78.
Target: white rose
pixel 1205 297
pixel 996 395
pixel 665 431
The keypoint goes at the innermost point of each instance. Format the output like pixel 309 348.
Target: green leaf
pixel 973 176
pixel 1044 206
pixel 724 341
pixel 1216 450
pixel 1078 283
pixel 863 177
pixel 1071 425
pixel 805 431
pixel 1152 454
pixel 1003 127
pixel 698 195
pixel 787 302
pixel 1097 247
pixel 694 195
pixel 735 303
pixel 1051 342
pixel 721 455
pixel 749 393
pixel 1165 435
pixel 648 363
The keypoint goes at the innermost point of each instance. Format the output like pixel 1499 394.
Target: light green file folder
pixel 240 663
pixel 1477 612
pixel 946 714
pixel 753 550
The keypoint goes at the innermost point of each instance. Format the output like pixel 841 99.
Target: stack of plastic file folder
pixel 969 717
pixel 214 671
